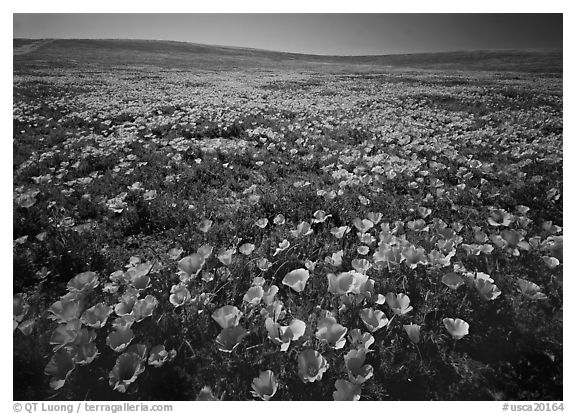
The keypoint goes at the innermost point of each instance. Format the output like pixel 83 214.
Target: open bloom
pixel 227 316
pixel 331 332
pixel 400 303
pixel 65 333
pixel 296 279
pixel 192 264
pixel 144 308
pixel 120 338
pixel 499 218
pixel 311 365
pixel 265 385
pixel 487 290
pixel 159 356
pixel 303 229
pixel 230 338
pixel 83 282
pixel 254 295
pixel 179 295
pixel 346 282
pixel 283 335
pixel 65 310
pixel 346 391
pixel 126 370
pixel 85 350
pixel 320 216
pixel 59 367
pixel 358 373
pixel 458 328
pixel 360 340
pixel 247 249
pixel 452 280
pixel 96 316
pixel 20 308
pixel 373 319
pixel 530 290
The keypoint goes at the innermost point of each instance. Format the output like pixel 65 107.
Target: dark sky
pixel 332 34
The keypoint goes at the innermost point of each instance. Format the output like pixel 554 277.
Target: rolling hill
pixel 171 54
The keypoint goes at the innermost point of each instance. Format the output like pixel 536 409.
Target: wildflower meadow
pixel 286 230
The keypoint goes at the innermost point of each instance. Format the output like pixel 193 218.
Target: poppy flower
pixel 358 373
pixel 487 290
pixel 126 370
pixel 205 394
pixel 296 279
pixel 361 265
pixel 83 282
pixel 179 295
pixel 65 334
pixel 530 290
pixel 303 229
pixel 247 249
pixel 262 222
pixel 363 250
pixel 310 265
pixel 414 256
pixel 122 322
pixel 229 338
pixel 26 327
pixel 265 385
pixel 456 327
pixel 126 304
pixel 284 335
pixel 227 316
pixel 335 259
pixel 399 304
pixel 418 225
pixel 346 282
pixel 273 311
pixel 27 199
pixel 119 339
pixel 144 308
pixel 413 332
pixel 499 217
pixel 346 391
pixel 225 257
pixel 339 232
pixel 205 251
pixel 140 282
pixel 65 310
pixel 320 216
pixel 388 255
pixel 374 217
pixel 205 225
pixel 159 356
pixel 331 332
pixel 360 340
pixel 263 264
pixel 96 316
pixel 279 219
pixel 362 225
pixel 311 365
pixel 269 294
pixel 373 320
pixel 192 264
pixel 59 368
pixel 254 295
pixel 452 280
pixel 85 350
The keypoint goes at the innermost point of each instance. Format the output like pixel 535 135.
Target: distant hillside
pixel 64 52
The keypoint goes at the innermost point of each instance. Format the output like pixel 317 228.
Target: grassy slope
pixel 183 55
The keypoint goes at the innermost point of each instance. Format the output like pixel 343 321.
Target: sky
pixel 325 34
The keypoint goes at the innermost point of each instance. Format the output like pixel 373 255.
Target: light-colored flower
pixel 331 332
pixel 254 295
pixel 311 365
pixel 159 356
pixel 346 391
pixel 346 282
pixel 399 304
pixel 179 295
pixel 458 328
pixel 452 280
pixel 296 279
pixel 227 316
pixel 144 308
pixel 373 319
pixel 229 338
pixel 192 264
pixel 358 373
pixel 487 290
pixel 126 370
pixel 413 332
pixel 83 282
pixel 265 385
pixel 59 368
pixel 65 310
pixel 119 339
pixel 96 316
pixel 360 340
pixel 284 335
pixel 247 249
pixel 530 290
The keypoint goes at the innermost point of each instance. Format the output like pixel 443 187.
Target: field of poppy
pixel 290 233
